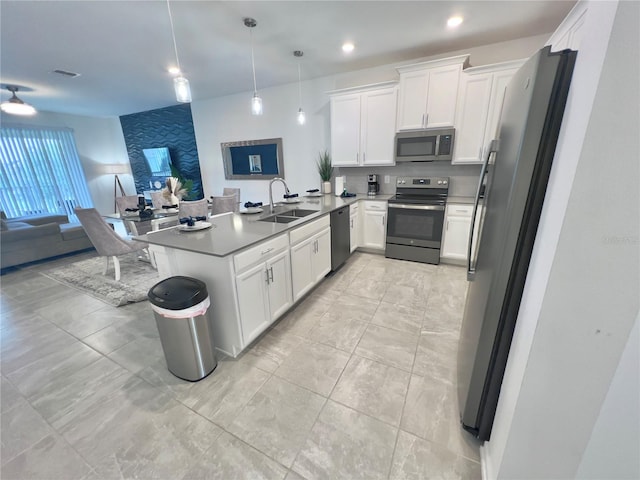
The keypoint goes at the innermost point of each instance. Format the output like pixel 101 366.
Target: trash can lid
pixel 177 293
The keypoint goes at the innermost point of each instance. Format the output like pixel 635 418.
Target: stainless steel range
pixel 416 219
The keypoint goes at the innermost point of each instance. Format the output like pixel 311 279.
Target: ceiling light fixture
pixel 454 22
pixel 256 101
pixel 180 83
pixel 15 106
pixel 348 47
pixel 301 117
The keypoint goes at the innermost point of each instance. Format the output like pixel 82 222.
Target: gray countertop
pixel 232 232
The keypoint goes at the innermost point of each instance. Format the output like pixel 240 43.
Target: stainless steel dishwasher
pixel 340 237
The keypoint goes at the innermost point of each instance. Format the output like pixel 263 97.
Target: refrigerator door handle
pixel 471 267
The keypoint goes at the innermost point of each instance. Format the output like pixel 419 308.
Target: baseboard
pixel 485 464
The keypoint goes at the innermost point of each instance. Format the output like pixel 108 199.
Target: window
pixel 40 172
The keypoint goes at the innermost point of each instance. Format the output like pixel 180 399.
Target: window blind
pixel 40 172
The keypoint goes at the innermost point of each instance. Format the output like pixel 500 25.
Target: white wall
pixel 228 119
pixel 581 297
pixel 101 149
pixel 618 420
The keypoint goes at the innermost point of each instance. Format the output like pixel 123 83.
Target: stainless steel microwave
pixel 426 145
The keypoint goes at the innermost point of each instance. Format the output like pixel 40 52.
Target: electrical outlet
pixel 386 179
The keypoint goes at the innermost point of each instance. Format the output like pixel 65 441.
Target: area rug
pixel 136 278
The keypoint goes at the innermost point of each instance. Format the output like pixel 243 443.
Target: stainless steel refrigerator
pixel 509 200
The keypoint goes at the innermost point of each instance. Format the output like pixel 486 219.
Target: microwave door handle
pixel 471 267
pixel 437 150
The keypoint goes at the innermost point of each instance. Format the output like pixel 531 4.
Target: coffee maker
pixel 373 186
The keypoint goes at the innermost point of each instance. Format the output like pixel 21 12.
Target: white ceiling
pixel 123 48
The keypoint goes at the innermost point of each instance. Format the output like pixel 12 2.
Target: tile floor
pixel 356 382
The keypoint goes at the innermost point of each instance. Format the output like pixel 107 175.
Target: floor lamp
pixel 116 185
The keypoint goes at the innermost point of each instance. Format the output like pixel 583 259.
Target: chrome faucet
pixel 271 205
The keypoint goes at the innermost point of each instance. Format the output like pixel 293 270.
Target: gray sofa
pixel 27 239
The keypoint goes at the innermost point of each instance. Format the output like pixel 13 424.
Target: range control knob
pixel 439 182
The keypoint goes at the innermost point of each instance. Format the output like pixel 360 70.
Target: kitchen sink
pixel 288 215
pixel 298 212
pixel 278 219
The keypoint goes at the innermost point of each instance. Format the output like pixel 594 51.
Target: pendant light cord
pixel 173 35
pixel 253 65
pixel 299 86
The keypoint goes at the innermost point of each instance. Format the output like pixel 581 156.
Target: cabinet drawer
pixel 308 229
pixel 459 210
pixel 373 205
pixel 260 252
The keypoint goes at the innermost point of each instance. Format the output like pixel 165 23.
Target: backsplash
pixel 170 127
pixel 463 179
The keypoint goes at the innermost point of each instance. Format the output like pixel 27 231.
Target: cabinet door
pixel 471 118
pixel 345 130
pixel 301 268
pixel 374 229
pixel 253 302
pixel 354 230
pixel 412 102
pixel 378 127
pixel 322 255
pixel 501 80
pixel 442 96
pixel 279 287
pixel 455 239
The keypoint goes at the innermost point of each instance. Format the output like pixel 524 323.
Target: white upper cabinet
pixel 473 111
pixel 482 91
pixel 428 93
pixel 363 126
pixel 569 33
pixel 378 126
pixel 345 130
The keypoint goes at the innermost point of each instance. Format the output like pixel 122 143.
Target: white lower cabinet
pixel 374 224
pixel 354 227
pixel 264 289
pixel 455 237
pixel 310 255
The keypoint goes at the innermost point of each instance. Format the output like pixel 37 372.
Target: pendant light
pixel 15 106
pixel 256 101
pixel 301 116
pixel 180 83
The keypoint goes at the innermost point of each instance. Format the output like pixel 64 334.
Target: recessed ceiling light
pixel 174 70
pixel 348 47
pixel 454 22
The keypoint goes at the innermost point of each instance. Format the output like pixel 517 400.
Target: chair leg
pixel 152 258
pixel 106 267
pixel 116 266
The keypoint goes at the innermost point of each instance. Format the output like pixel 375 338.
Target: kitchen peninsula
pixel 255 267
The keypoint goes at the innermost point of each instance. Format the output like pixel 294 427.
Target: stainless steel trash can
pixel 180 305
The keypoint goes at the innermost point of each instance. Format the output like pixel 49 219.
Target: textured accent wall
pixel 170 127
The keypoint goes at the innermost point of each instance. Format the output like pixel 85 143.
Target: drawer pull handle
pixel 264 252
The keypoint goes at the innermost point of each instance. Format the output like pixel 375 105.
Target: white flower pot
pixel 326 187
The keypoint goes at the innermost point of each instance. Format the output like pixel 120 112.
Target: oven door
pixel 415 225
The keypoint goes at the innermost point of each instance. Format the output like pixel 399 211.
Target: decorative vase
pixel 173 200
pixel 326 187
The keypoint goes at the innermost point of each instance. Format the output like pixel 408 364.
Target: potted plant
pixel 325 170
